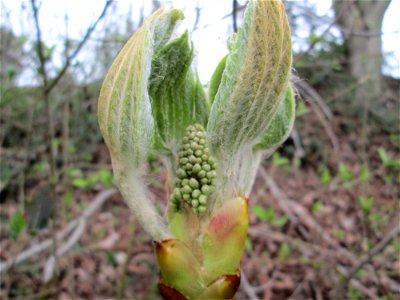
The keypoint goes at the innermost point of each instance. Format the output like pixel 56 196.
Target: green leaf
pixel 171 104
pixel 280 221
pixel 68 199
pixel 216 79
pixel 201 106
pixel 124 108
pixel 344 172
pixel 365 173
pixel 177 96
pixel 366 204
pixel 73 173
pixel 316 207
pixel 281 124
pixel 314 38
pixel 284 251
pixel 263 214
pixel 17 224
pixel 106 177
pixel 387 160
pixel 340 234
pixel 81 183
pixel 326 176
pixel 254 81
pixel 279 161
pixel 301 109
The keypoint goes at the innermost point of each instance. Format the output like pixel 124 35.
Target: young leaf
pixel 124 109
pixel 67 199
pixel 216 79
pixel 316 207
pixel 171 104
pixel 281 124
pixel 263 214
pixel 365 173
pixel 284 251
pixel 17 224
pixel 280 221
pixel 279 161
pixel 344 172
pixel 249 95
pixel 387 160
pixel 366 204
pixel 326 176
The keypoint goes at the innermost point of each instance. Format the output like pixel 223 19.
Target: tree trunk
pixel 361 23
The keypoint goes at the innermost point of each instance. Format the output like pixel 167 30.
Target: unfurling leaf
pixel 124 108
pixel 254 81
pixel 281 124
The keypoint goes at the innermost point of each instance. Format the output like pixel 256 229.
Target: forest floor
pixel 322 224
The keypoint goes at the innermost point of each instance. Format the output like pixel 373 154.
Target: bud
pixel 196 173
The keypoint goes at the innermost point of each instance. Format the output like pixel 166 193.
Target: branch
pixel 38 248
pixel 247 288
pixel 69 59
pixel 234 15
pixel 373 252
pixel 321 110
pixel 50 265
pixel 42 60
pixel 299 211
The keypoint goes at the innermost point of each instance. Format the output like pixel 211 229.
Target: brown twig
pixel 302 214
pixel 78 48
pixel 299 152
pixel 38 248
pixel 234 15
pixel 321 111
pixel 247 288
pixel 369 256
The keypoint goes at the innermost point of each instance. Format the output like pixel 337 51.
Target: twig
pixel 50 264
pixel 299 152
pixel 370 255
pixel 234 15
pixel 355 284
pixel 310 222
pixel 315 96
pixel 247 288
pixel 197 20
pixel 69 59
pixel 38 248
pixel 40 53
pixel 283 204
pixel 35 249
pixel 321 110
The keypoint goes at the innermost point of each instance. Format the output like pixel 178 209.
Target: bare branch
pixel 69 59
pixel 234 15
pixel 247 288
pixel 38 248
pixel 39 49
pixel 371 254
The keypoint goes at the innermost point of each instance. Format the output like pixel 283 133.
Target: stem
pixel 135 193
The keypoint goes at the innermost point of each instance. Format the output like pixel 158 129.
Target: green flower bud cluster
pixel 196 172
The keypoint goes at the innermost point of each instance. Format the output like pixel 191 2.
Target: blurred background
pixel 324 211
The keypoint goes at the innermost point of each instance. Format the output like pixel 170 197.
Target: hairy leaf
pixel 216 79
pixel 254 81
pixel 281 124
pixel 124 109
